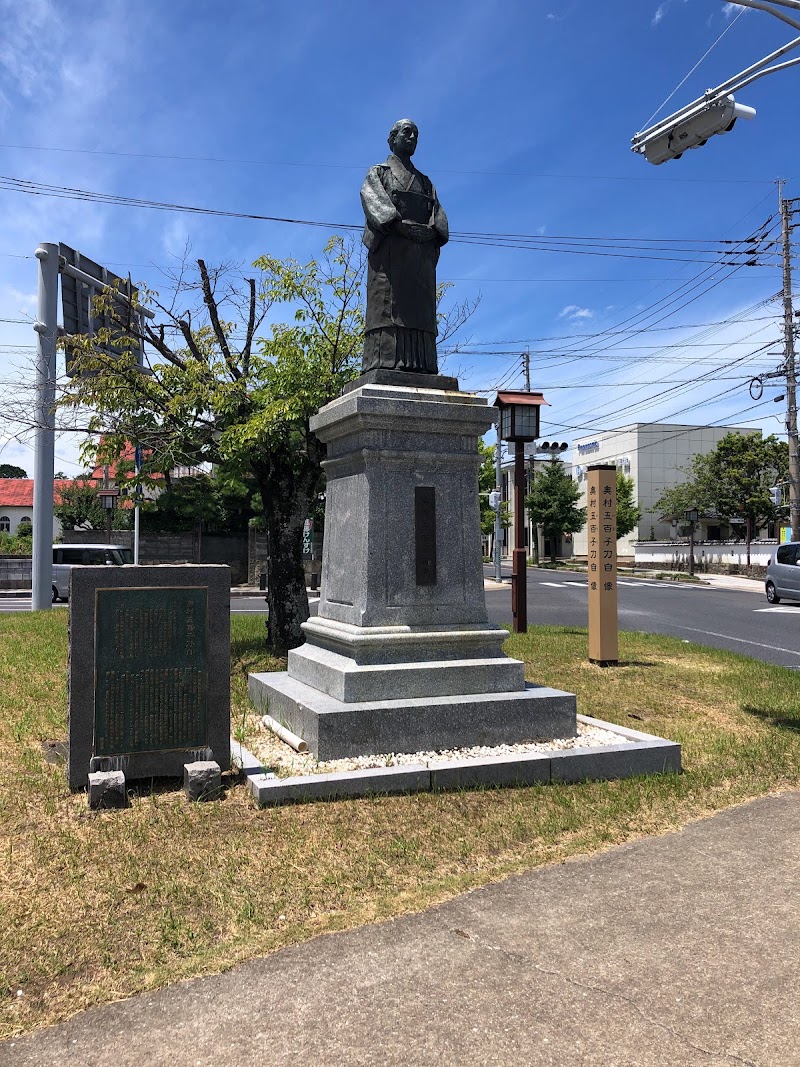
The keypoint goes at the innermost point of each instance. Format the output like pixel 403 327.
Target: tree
pixel 8 470
pixel 486 483
pixel 552 504
pixel 217 503
pixel 80 508
pixel 628 514
pixel 732 482
pixel 214 392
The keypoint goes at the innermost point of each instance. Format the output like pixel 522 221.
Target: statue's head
pixel 403 137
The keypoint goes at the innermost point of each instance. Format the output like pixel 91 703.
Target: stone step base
pixel 336 730
pixel 342 678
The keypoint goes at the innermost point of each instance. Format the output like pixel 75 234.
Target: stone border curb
pixel 643 754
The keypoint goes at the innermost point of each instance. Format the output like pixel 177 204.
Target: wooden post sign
pixel 602 559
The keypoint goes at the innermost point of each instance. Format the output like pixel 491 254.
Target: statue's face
pixel 405 139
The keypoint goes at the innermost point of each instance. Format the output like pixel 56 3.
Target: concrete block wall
pixel 714 557
pixel 15 572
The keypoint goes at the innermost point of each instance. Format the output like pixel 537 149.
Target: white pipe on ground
pixel 297 743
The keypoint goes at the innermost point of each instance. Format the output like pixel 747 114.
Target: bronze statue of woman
pixel 405 228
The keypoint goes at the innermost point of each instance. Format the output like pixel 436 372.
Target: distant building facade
pixel 16 503
pixel 655 455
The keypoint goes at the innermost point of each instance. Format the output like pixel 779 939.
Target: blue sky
pixel 525 111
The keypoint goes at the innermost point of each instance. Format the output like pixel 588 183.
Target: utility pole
pixel 791 383
pixel 498 515
pixel 46 328
pixel 532 526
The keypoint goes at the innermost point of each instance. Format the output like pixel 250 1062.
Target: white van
pixel 65 557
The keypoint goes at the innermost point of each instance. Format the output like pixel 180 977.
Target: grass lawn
pixel 98 906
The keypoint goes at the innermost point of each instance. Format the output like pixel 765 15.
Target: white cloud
pixel 574 313
pixel 23 303
pixel 662 10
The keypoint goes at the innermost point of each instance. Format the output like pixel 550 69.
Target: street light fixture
pixel 108 502
pixel 519 423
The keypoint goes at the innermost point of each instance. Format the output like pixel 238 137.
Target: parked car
pixel 783 573
pixel 65 557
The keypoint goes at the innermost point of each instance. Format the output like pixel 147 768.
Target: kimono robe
pixel 401 273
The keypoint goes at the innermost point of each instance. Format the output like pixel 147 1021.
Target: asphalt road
pixel 737 620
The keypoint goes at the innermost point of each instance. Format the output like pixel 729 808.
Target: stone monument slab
pixel 149 670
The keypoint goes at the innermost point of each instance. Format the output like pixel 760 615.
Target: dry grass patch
pixel 98 906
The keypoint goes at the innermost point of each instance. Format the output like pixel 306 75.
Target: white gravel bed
pixel 276 755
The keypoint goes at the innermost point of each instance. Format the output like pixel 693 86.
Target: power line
pixel 530 242
pixel 694 68
pixel 363 168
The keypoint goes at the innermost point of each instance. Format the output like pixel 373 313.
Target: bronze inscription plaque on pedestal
pixel 151 670
pixel 425 534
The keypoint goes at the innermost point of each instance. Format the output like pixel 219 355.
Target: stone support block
pixel 107 789
pixel 345 680
pixel 411 778
pixel 335 730
pixel 492 772
pixel 202 780
pixel 615 761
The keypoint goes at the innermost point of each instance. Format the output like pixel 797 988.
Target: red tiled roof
pixel 18 492
pixel 128 454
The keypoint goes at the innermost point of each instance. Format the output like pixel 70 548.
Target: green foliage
pixel 628 514
pixel 218 504
pixel 732 482
pixel 15 545
pixel 8 470
pixel 552 504
pixel 486 482
pixel 217 392
pixel 80 507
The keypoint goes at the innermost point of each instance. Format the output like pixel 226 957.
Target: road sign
pixel 81 281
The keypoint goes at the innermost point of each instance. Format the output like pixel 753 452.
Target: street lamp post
pixel 692 515
pixel 108 502
pixel 519 423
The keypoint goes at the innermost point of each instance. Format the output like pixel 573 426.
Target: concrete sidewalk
pixel 677 950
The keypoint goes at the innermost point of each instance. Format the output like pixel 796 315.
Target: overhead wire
pixel 531 242
pixel 683 80
pixel 361 167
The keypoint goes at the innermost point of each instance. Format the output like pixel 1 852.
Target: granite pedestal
pixel 401 656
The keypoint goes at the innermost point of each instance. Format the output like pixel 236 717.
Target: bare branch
pixel 251 327
pixel 213 314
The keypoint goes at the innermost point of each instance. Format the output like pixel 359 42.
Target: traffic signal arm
pixel 716 111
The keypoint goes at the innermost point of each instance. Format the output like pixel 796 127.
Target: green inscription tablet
pixel 151 670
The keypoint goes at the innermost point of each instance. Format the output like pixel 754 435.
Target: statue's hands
pixel 415 231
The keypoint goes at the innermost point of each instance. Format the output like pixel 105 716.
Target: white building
pixel 656 456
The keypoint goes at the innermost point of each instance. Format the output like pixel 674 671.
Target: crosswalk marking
pixel 775 607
